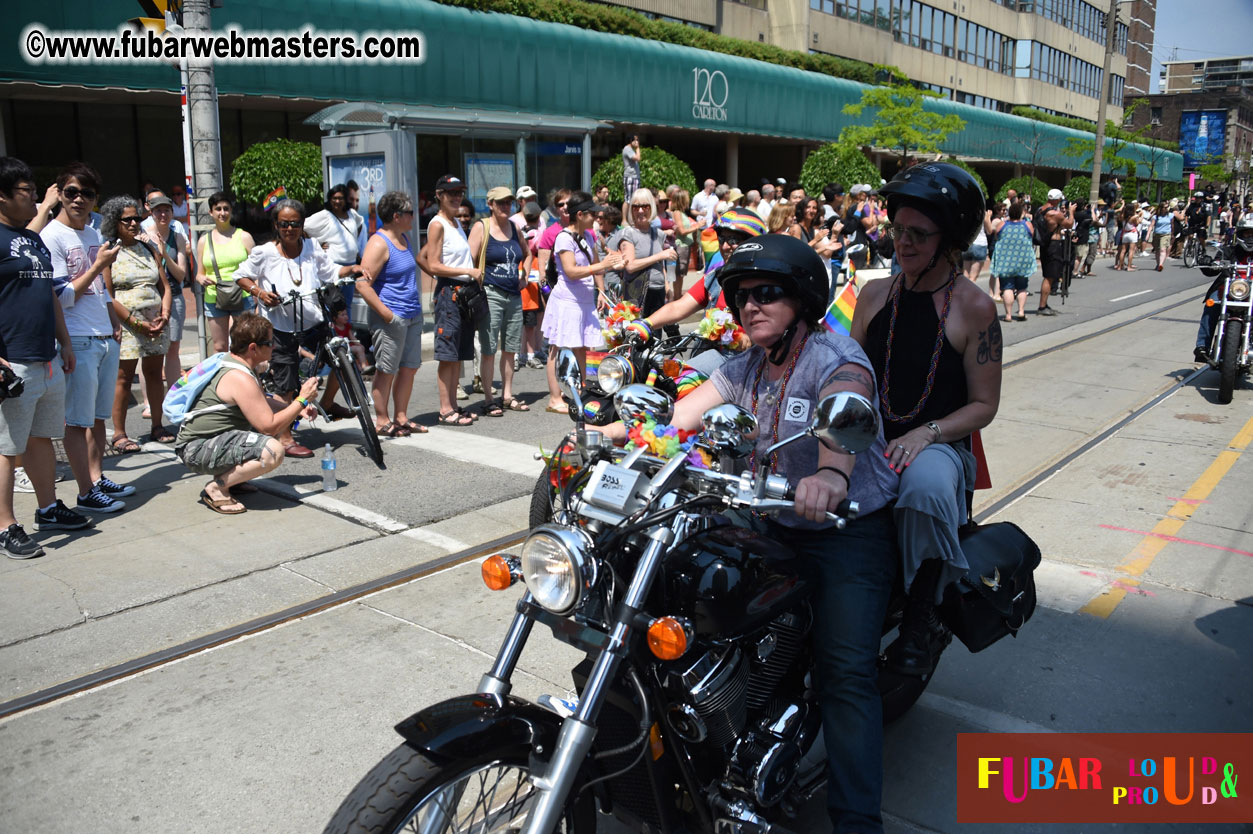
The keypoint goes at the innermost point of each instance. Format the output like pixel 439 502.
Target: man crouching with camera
pixel 32 378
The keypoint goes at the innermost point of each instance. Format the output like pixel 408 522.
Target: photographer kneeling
pixel 231 433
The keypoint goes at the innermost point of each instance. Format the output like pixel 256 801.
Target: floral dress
pixel 1014 254
pixel 136 287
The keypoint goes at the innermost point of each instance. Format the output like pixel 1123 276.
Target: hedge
pixel 616 21
pixel 1038 189
pixel 658 169
pixel 845 165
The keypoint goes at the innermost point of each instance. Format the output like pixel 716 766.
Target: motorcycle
pixel 1229 351
pixel 694 708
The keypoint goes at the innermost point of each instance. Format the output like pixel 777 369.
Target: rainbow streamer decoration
pixel 839 317
pixel 271 199
pixel 594 358
pixel 688 380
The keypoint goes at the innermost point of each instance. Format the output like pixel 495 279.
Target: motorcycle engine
pixel 713 698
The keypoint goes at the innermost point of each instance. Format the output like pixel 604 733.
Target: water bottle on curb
pixel 329 484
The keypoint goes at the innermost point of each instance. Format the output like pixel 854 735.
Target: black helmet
pixel 944 192
pixel 783 258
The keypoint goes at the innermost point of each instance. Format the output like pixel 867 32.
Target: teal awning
pixel 481 61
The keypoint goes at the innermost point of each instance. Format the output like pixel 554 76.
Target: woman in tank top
pixel 389 287
pixel 230 249
pixel 934 341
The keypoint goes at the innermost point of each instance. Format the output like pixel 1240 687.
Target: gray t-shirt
pixel 873 484
pixel 646 245
pixel 630 164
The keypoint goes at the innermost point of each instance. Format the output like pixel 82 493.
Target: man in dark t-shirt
pixel 31 325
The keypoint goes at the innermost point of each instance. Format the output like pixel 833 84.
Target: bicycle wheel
pixel 1190 251
pixel 353 386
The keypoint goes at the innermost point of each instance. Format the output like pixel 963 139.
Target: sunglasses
pixel 727 237
pixel 910 234
pixel 128 220
pixel 562 205
pixel 640 205
pixel 763 294
pixel 290 224
pixel 73 192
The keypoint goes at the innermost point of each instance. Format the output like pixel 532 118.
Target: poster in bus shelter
pixel 1202 136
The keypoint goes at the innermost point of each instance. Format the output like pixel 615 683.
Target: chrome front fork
pixel 497 679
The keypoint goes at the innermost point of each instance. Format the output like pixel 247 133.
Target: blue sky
pixel 1201 29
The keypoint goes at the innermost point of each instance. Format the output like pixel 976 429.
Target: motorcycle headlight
pixel 1239 289
pixel 614 374
pixel 558 566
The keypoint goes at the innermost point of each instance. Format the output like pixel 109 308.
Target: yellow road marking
pixel 1138 561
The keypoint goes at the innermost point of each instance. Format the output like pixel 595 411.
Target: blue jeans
pixel 852 571
pixel 1210 314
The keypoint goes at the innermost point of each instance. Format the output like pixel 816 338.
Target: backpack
pixel 184 393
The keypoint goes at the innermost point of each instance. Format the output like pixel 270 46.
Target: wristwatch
pixel 935 429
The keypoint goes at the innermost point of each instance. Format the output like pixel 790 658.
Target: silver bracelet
pixel 935 429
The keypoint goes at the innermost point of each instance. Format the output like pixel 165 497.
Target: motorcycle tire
pixel 1229 367
pixel 406 791
pixel 542 499
pixel 898 693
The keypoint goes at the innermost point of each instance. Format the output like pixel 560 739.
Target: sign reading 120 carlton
pixel 709 95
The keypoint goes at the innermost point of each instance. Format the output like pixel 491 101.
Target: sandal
pixel 455 418
pixel 1020 318
pixel 516 404
pixel 414 428
pixel 219 505
pixel 492 408
pixel 473 417
pixel 386 430
pixel 554 410
pixel 1007 318
pixel 162 435
pixel 124 445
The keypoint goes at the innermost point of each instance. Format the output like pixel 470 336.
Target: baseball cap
pixel 525 193
pixel 160 200
pixel 499 193
pixel 449 182
pixel 1056 194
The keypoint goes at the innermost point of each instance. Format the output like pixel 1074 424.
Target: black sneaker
pixel 97 501
pixel 17 545
pixel 60 517
pixel 113 488
pixel 1046 311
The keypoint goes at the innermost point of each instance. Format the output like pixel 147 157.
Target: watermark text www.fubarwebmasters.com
pixel 128 45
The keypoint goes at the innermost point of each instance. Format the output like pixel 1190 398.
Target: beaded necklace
pixel 774 429
pixel 884 400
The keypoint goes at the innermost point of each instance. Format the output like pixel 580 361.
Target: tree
pixel 901 122
pixel 658 169
pixel 1216 172
pixel 1077 189
pixel 1116 140
pixel 296 166
pixel 843 164
pixel 1026 185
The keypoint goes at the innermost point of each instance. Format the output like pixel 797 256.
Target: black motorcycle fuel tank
pixel 730 581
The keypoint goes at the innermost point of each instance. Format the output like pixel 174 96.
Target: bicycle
pixel 1192 247
pixel 1068 258
pixel 333 351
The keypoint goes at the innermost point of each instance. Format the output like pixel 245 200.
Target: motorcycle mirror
pixel 730 429
pixel 638 400
pixel 846 422
pixel 569 375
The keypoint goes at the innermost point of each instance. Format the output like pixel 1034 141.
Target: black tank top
pixel 916 324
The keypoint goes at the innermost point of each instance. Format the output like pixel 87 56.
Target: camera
pixel 11 386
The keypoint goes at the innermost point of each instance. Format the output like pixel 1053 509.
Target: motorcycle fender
pixel 471 725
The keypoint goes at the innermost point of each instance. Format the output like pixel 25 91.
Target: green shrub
pixel 297 166
pixel 952 160
pixel 617 21
pixel 842 164
pixel 1038 190
pixel 1079 188
pixel 658 169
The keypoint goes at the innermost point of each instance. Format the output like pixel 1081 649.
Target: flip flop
pixel 516 404
pixel 455 418
pixel 219 505
pixel 551 410
pixel 414 428
pixel 124 446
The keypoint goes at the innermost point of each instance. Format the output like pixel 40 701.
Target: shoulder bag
pixel 230 296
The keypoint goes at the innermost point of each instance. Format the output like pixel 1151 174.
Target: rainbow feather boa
pixel 667 441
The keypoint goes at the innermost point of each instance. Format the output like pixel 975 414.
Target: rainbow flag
pixel 712 262
pixel 709 242
pixel 271 199
pixel 839 317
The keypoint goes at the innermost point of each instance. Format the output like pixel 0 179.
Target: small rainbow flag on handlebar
pixel 271 199
pixel 839 317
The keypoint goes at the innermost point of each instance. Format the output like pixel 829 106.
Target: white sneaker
pixel 21 481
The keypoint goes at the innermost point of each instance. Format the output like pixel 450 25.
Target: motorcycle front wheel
pixel 407 792
pixel 1230 365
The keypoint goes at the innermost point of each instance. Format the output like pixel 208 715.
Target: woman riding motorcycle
pixel 935 343
pixel 776 287
pixel 1239 251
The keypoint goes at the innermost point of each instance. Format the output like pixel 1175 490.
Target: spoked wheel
pixel 353 386
pixel 1190 250
pixel 407 792
pixel 1228 369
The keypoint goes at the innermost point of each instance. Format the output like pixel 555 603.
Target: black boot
pixel 923 636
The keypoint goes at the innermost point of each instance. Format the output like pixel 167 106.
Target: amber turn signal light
pixel 498 573
pixel 667 638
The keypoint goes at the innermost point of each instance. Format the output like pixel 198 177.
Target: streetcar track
pixel 154 660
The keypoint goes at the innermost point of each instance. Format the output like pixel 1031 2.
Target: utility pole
pixel 1107 85
pixel 202 148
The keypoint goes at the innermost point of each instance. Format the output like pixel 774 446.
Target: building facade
pixel 1208 75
